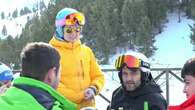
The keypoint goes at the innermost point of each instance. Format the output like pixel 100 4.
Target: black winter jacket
pixel 150 93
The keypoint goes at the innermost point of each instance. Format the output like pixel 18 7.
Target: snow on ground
pixel 14 26
pixel 174 46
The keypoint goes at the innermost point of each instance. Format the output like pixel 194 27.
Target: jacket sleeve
pixel 65 90
pixel 174 108
pixel 96 74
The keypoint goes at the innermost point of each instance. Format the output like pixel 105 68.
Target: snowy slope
pixel 174 46
pixel 14 26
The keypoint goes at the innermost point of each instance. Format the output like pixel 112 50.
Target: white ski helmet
pixel 133 59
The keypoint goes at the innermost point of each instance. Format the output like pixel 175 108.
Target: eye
pixel 68 30
pixel 125 73
pixel 187 82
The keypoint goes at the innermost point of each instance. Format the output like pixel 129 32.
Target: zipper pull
pixel 146 105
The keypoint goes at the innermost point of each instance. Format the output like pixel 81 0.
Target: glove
pixel 88 108
pixel 89 93
pixel 3 89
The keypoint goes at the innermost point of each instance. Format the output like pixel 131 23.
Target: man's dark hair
pixel 188 68
pixel 37 58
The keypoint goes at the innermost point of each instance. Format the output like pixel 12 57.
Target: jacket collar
pixel 188 102
pixel 144 89
pixel 58 43
pixel 66 104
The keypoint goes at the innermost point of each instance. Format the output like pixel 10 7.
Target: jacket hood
pixel 66 104
pixel 58 43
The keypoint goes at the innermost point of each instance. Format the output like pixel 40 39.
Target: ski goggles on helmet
pixel 72 29
pixel 75 18
pixel 130 61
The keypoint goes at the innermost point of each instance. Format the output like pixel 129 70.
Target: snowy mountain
pixel 14 25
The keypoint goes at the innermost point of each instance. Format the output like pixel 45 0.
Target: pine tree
pixel 102 28
pixel 15 13
pixel 192 36
pixel 2 15
pixel 138 28
pixel 4 30
pixel 193 9
pixel 156 11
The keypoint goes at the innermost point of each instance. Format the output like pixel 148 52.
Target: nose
pixel 129 77
pixel 184 89
pixel 75 33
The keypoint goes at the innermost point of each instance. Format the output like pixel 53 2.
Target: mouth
pixel 187 96
pixel 130 82
pixel 73 37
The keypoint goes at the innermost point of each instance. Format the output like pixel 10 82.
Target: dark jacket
pixel 148 94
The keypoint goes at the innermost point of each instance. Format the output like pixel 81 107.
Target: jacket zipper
pixel 77 73
pixel 82 69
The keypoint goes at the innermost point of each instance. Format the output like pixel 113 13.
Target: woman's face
pixel 72 33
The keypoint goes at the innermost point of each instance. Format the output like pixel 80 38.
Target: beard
pixel 55 83
pixel 132 85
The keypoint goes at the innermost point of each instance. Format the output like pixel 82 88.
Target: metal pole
pixel 167 86
pixel 177 77
pixel 157 77
pixel 104 98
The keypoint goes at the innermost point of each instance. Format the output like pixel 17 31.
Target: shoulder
pixel 87 50
pixel 117 92
pixel 85 47
pixel 156 100
pixel 26 100
pixel 117 97
pixel 191 107
pixel 156 97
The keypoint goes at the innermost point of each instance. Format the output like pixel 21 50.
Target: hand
pixel 88 108
pixel 3 89
pixel 89 94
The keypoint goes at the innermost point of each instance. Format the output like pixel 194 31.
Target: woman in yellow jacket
pixel 81 77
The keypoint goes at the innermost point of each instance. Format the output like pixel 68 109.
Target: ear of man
pixel 50 76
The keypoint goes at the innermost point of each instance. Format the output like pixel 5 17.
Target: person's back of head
pixel 37 59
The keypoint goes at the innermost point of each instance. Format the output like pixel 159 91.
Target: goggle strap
pixel 119 61
pixel 145 64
